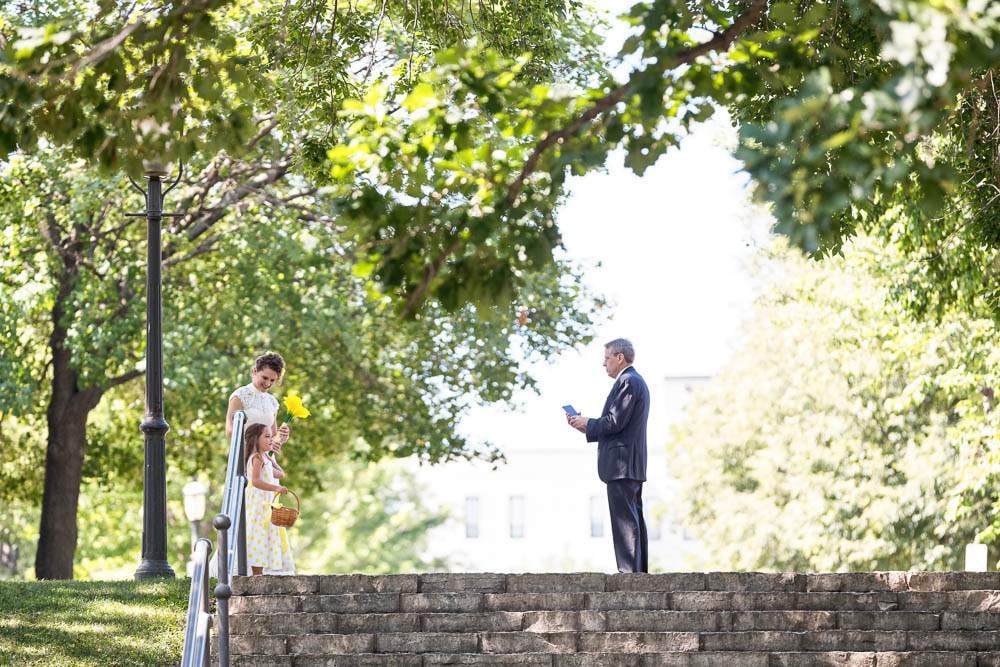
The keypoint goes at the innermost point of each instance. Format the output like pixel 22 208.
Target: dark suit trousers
pixel 628 527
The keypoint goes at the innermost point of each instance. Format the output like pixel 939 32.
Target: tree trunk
pixel 67 438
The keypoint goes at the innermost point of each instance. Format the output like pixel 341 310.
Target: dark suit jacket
pixel 620 433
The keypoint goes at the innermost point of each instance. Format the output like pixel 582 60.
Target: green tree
pixel 862 435
pixel 247 94
pixel 845 106
pixel 267 278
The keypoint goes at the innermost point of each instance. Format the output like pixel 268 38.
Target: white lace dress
pixel 259 406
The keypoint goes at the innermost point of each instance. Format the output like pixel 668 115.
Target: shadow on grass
pixel 92 623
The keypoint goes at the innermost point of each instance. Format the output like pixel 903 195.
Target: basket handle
pixel 297 503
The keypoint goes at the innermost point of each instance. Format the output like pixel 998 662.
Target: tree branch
pixel 417 296
pixel 604 104
pixel 123 378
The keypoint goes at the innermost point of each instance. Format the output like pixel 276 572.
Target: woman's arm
pixel 256 466
pixel 235 405
pixel 280 435
pixel 279 472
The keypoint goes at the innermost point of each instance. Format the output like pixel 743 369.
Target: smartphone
pixel 570 410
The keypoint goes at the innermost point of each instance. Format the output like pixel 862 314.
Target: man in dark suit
pixel 620 434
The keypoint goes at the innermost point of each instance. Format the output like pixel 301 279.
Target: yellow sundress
pixel 267 544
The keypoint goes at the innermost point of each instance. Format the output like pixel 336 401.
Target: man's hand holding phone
pixel 575 419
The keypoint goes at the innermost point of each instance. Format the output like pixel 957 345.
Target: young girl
pixel 267 544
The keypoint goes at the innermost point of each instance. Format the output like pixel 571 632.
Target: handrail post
pixel 223 591
pixel 241 541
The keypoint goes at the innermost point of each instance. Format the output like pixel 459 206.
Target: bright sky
pixel 669 251
pixel 672 249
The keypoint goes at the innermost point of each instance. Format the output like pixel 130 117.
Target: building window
pixel 472 516
pixel 517 516
pixel 597 511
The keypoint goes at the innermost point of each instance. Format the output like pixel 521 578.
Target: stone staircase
pixel 876 619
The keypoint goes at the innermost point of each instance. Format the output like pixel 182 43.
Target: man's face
pixel 613 363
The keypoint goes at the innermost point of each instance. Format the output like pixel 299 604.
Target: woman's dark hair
pixel 271 360
pixel 251 436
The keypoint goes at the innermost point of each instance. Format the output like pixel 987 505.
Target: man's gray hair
pixel 622 346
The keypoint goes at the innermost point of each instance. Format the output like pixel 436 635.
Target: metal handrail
pixel 223 591
pixel 232 501
pixel 198 630
pixel 231 557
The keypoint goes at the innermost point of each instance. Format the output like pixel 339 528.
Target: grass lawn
pixel 92 622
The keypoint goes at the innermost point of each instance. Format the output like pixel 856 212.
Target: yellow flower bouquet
pixel 294 408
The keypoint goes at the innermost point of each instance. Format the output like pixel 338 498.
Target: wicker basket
pixel 284 516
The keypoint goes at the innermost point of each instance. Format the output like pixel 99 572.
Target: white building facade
pixel 545 510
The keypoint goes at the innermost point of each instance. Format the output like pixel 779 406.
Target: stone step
pixel 600 621
pixel 591 582
pixel 614 642
pixel 381 603
pixel 677 659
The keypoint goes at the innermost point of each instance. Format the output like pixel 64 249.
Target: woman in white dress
pixel 256 401
pixel 260 407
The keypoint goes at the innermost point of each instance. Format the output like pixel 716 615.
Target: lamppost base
pixel 154 569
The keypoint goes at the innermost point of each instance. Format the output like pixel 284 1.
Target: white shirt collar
pixel 622 371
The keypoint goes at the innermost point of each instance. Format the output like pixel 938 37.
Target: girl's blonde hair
pixel 251 439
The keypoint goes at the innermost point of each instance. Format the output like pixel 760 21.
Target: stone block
pixel 494 621
pixel 463 583
pixel 933 582
pixel 976 640
pixel 854 640
pixel 359 660
pixel 755 581
pixel 363 583
pixel 761 640
pixel 274 585
pixel 671 581
pixel 630 600
pixel 845 601
pixel 744 621
pixel 441 602
pixel 563 621
pixel 637 642
pixel 980 601
pixel 964 620
pixel 667 621
pixel 257 645
pixel 824 659
pixel 270 624
pixel 360 603
pixel 529 642
pixel 857 582
pixel 534 601
pixel 785 601
pixel 348 623
pixel 426 642
pixel 265 604
pixel 578 582
pixel 715 660
pixel 544 659
pixel 597 660
pixel 893 620
pixel 313 644
pixel 701 601
pixel 925 659
pixel 256 661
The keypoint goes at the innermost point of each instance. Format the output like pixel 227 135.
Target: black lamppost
pixel 154 426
